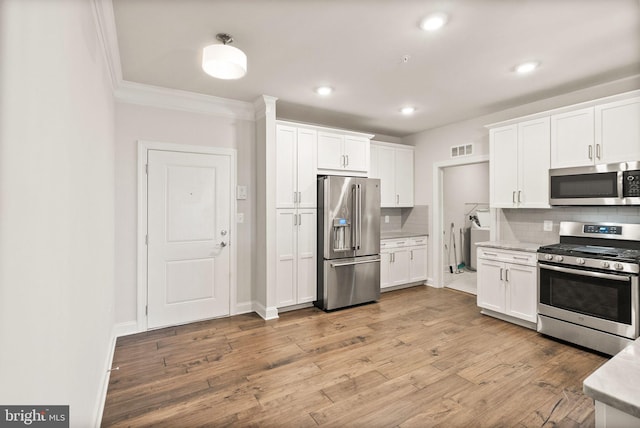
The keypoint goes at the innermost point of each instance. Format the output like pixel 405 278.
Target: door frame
pixel 143 148
pixel 437 249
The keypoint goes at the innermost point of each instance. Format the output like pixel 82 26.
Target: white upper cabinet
pixel 342 154
pixel 604 133
pixel 617 131
pixel 519 165
pixel 295 167
pixel 572 141
pixel 393 165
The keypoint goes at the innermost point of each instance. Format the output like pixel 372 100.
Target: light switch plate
pixel 241 192
pixel 548 225
pixel 239 217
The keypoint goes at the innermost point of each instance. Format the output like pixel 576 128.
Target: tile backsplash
pixel 526 225
pixel 414 220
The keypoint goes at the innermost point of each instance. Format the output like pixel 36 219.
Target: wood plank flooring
pixel 420 357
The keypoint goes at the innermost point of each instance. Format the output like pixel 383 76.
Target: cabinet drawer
pixel 516 257
pixel 403 242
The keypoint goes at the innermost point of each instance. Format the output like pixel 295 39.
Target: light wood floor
pixel 420 357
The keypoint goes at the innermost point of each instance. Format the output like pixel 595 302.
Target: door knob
pixel 223 232
pixel 223 244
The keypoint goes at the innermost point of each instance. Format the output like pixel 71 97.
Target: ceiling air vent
pixel 463 150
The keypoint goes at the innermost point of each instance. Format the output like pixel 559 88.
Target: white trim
pixel 105 380
pixel 326 129
pixel 572 107
pixel 143 148
pixel 174 99
pixel 243 308
pixel 126 328
pixel 437 212
pixel 270 313
pixel 106 27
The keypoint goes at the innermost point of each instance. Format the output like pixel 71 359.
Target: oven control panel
pixel 602 229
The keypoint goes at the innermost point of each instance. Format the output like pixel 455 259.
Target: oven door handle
pixel 623 277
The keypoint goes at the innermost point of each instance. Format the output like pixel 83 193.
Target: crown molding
pixel 175 99
pixel 108 37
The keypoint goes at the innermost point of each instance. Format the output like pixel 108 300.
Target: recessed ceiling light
pixel 324 90
pixel 407 110
pixel 433 22
pixel 527 67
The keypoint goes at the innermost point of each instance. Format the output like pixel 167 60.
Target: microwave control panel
pixel 631 184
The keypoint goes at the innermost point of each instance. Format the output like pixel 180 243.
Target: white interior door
pixel 188 237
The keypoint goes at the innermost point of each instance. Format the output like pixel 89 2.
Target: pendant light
pixel 224 61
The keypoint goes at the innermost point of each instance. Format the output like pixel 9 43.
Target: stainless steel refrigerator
pixel 348 241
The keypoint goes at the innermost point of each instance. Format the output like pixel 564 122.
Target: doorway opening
pixel 460 196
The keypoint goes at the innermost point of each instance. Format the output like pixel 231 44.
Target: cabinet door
pixel 534 139
pixel 385 269
pixel 617 128
pixel 400 266
pixel 285 166
pixel 306 168
pixel 374 170
pixel 418 264
pixel 306 256
pixel 330 151
pixel 404 177
pixel 491 293
pixel 356 152
pixel 521 287
pixel 572 138
pixel 386 173
pixel 286 253
pixel 503 166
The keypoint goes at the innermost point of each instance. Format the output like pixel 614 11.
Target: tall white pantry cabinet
pixel 296 203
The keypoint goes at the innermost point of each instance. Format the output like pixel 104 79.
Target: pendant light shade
pixel 224 61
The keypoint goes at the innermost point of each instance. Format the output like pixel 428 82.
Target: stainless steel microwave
pixel 608 184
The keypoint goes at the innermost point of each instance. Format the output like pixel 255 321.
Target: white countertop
pixel 400 234
pixel 510 245
pixel 617 382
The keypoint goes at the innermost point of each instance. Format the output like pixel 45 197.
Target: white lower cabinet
pixel 296 250
pixel 403 261
pixel 507 283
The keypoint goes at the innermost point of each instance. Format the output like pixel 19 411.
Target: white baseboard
pixel 126 328
pixel 270 313
pixel 105 380
pixel 243 308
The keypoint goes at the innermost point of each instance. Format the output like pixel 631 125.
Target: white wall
pixel 56 208
pixel 137 122
pixel 433 146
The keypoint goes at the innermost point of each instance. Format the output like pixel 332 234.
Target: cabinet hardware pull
pixel 506 275
pixel 491 254
pixel 513 197
pixel 295 197
pixel 347 157
pixel 500 274
pixel 295 219
pixel 590 151
pixel 299 219
pixel 520 258
pixel 519 196
pixel 299 197
pixel 411 254
pixel 598 151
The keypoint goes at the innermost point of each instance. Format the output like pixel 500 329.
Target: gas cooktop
pixel 593 251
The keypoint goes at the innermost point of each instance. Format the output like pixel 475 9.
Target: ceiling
pixel 357 46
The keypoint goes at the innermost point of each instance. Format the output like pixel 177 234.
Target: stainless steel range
pixel 588 285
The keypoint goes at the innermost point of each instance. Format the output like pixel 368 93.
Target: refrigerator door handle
pixel 355 263
pixel 358 216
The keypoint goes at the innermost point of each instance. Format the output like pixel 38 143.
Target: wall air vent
pixel 463 150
